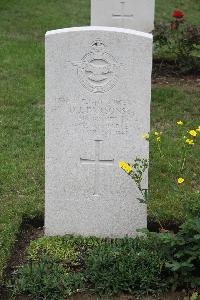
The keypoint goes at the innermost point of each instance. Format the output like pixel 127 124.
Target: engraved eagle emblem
pixel 98 70
pixel 98 73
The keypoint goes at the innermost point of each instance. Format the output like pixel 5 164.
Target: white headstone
pixel 133 14
pixel 98 86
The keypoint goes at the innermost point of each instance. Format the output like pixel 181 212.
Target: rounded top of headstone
pixel 100 29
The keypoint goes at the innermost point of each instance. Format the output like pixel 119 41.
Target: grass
pixel 23 24
pixel 168 106
pixel 190 8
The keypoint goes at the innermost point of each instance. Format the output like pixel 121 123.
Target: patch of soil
pixel 156 227
pixel 169 296
pixel 30 230
pixel 188 82
pixel 6 296
pixel 173 68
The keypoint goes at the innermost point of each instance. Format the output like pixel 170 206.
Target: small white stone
pixel 133 14
pixel 98 87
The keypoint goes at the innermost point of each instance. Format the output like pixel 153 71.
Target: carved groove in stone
pixel 122 15
pixel 97 162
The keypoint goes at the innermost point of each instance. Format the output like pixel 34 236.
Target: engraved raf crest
pixel 98 70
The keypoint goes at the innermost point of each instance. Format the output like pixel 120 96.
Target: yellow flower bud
pixel 145 136
pixel 180 180
pixel 189 142
pixel 179 122
pixel 124 166
pixel 193 133
pixel 198 129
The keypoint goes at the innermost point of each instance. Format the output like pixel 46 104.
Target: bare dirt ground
pixel 19 254
pixel 170 296
pixel 185 82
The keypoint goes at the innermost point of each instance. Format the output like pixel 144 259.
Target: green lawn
pixel 191 9
pixel 170 105
pixel 23 24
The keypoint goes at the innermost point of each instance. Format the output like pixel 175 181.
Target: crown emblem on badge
pixel 98 70
pixel 98 46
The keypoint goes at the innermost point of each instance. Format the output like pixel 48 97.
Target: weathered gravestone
pixel 133 14
pixel 98 83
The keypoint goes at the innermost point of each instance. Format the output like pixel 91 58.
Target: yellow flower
pixel 189 142
pixel 180 180
pixel 124 166
pixel 156 133
pixel 194 296
pixel 145 136
pixel 193 132
pixel 198 129
pixel 158 139
pixel 179 122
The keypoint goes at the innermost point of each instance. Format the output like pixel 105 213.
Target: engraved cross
pixel 122 15
pixel 97 162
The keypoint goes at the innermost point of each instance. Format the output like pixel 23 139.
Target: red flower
pixel 177 14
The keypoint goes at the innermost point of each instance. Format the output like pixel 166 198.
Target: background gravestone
pixel 133 14
pixel 97 108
